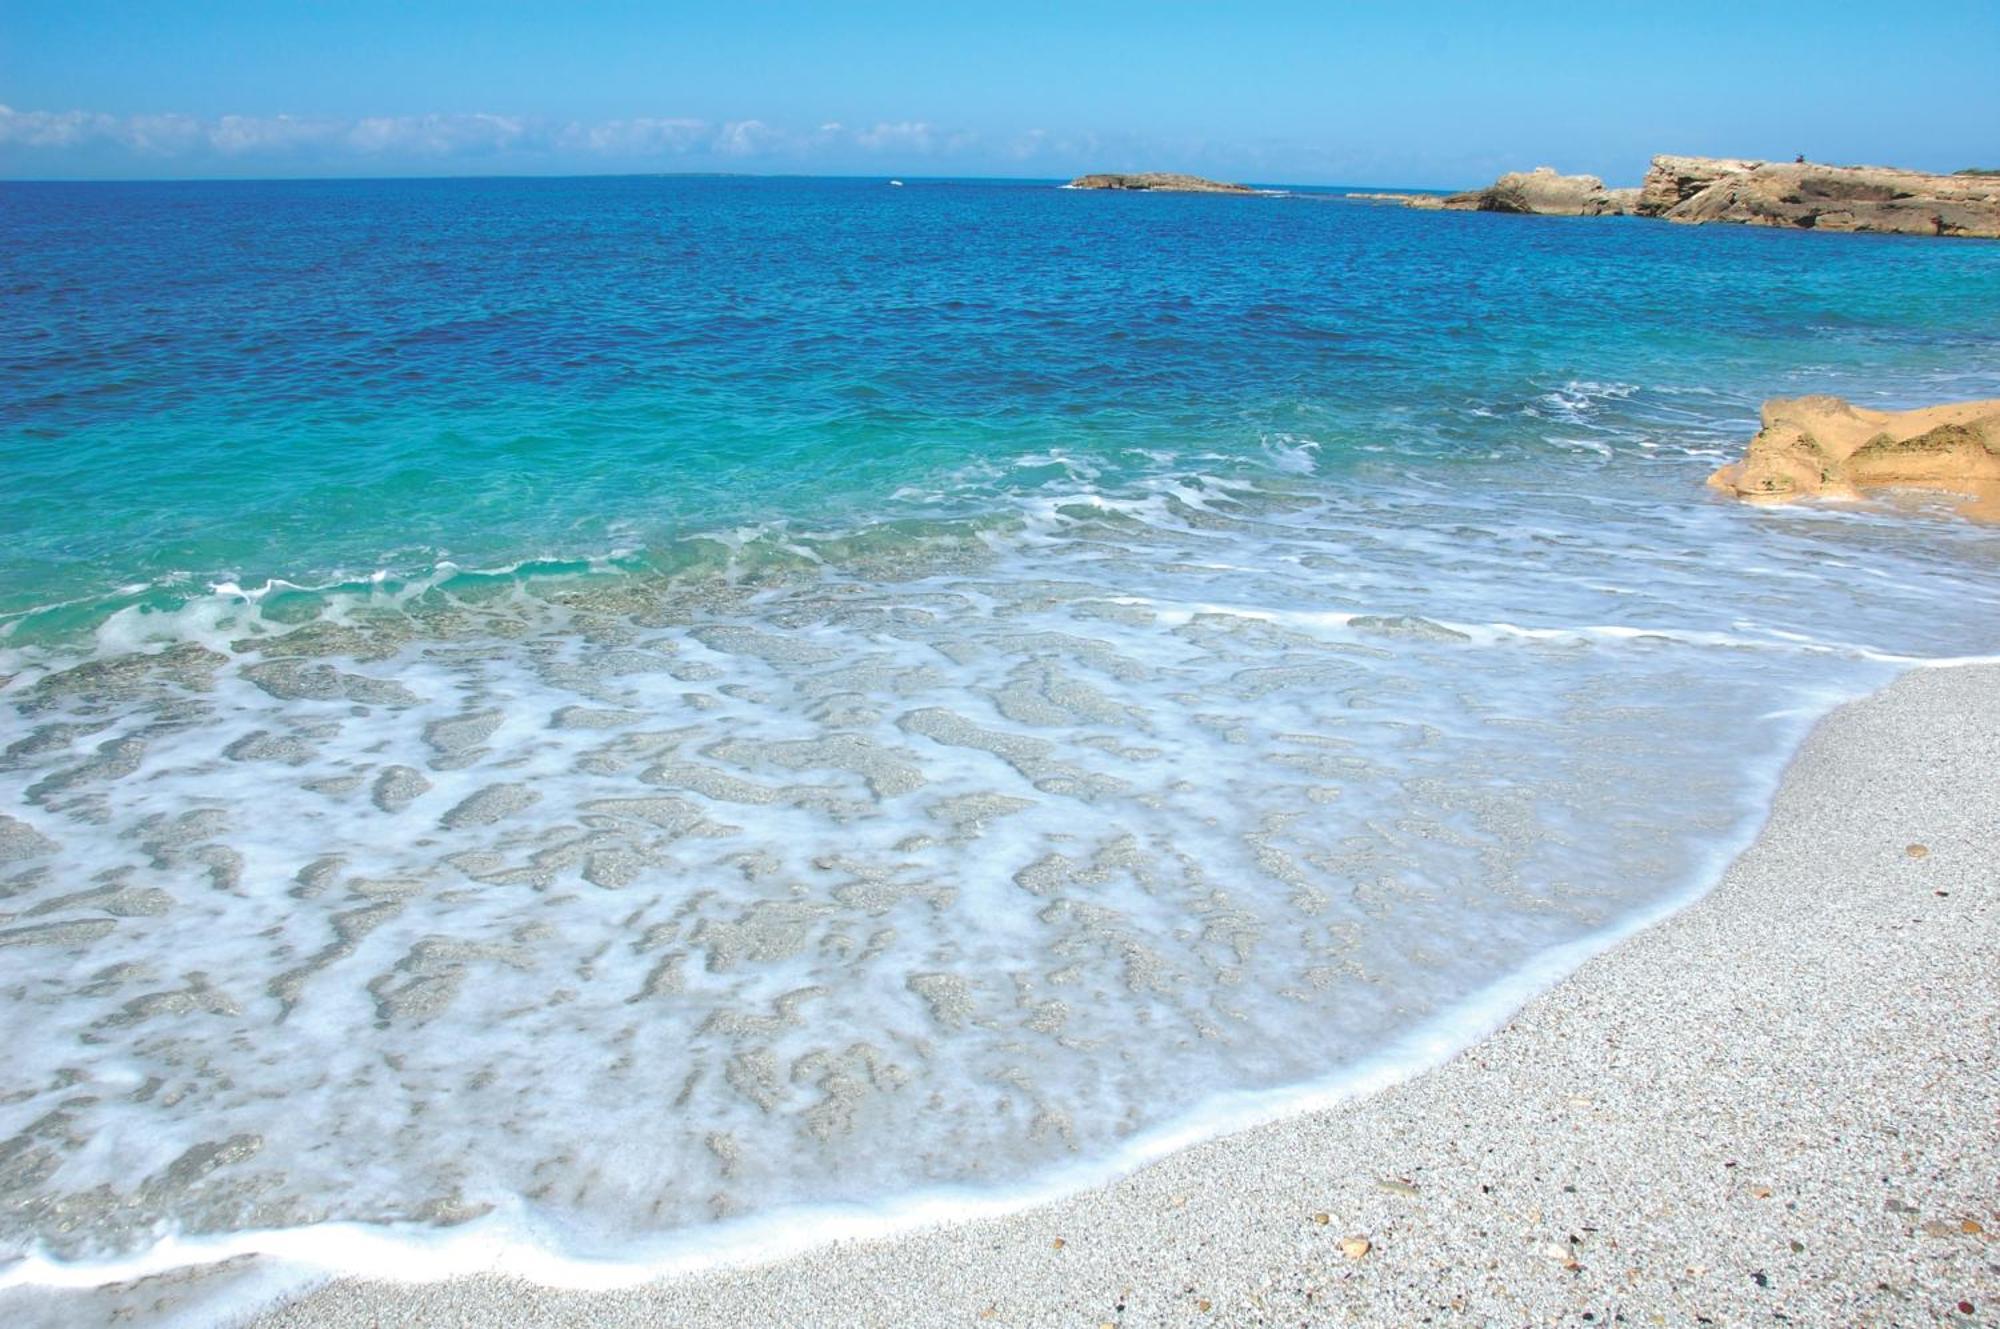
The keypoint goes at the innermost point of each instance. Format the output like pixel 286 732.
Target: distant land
pixel 1801 194
pixel 1159 182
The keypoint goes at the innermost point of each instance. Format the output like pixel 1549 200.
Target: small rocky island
pixel 1825 447
pixel 1159 182
pixel 1806 195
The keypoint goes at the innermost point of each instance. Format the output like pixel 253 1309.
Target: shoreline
pixel 1518 1179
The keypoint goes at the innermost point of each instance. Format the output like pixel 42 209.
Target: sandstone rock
pixel 1544 192
pixel 1426 202
pixel 1823 446
pixel 1807 195
pixel 1158 182
pixel 1671 181
pixel 1828 198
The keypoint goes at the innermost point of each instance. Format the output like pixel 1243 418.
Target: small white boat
pixel 897 183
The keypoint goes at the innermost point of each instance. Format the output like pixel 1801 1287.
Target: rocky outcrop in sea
pixel 1542 192
pixel 1546 193
pixel 1826 447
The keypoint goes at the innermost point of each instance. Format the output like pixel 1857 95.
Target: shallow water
pixel 623 704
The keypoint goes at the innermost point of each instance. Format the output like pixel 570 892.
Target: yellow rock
pixel 1354 1248
pixel 1824 447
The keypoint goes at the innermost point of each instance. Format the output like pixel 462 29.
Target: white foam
pixel 521 1243
pixel 721 912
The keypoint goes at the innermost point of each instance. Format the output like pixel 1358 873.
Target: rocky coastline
pixel 1696 190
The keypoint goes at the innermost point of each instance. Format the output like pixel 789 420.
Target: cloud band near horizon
pixel 330 141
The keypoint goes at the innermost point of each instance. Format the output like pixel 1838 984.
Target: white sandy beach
pixel 1781 1105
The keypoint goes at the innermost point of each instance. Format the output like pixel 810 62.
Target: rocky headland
pixel 1827 447
pixel 1805 195
pixel 1825 198
pixel 1159 182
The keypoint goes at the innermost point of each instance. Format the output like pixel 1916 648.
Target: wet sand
pixel 1782 1104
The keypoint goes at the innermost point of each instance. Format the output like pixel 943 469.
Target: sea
pixel 600 724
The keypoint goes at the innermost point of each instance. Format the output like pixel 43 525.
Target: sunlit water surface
pixel 623 704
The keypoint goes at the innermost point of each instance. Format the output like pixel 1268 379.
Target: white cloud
pixel 331 141
pixel 46 129
pixel 644 136
pixel 239 134
pixel 163 134
pixel 914 134
pixel 264 135
pixel 93 141
pixel 438 135
pixel 748 138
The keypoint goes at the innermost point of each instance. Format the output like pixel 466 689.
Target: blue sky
pixel 1423 92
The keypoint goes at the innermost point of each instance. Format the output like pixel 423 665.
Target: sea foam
pixel 627 918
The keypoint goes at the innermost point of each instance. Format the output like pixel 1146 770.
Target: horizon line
pixel 654 175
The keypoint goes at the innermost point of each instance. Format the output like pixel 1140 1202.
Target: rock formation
pixel 1159 182
pixel 1823 446
pixel 1542 192
pixel 1671 181
pixel 1427 202
pixel 1827 198
pixel 1740 189
pixel 1545 193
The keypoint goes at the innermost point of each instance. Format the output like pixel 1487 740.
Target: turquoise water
pixel 324 382
pixel 610 710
